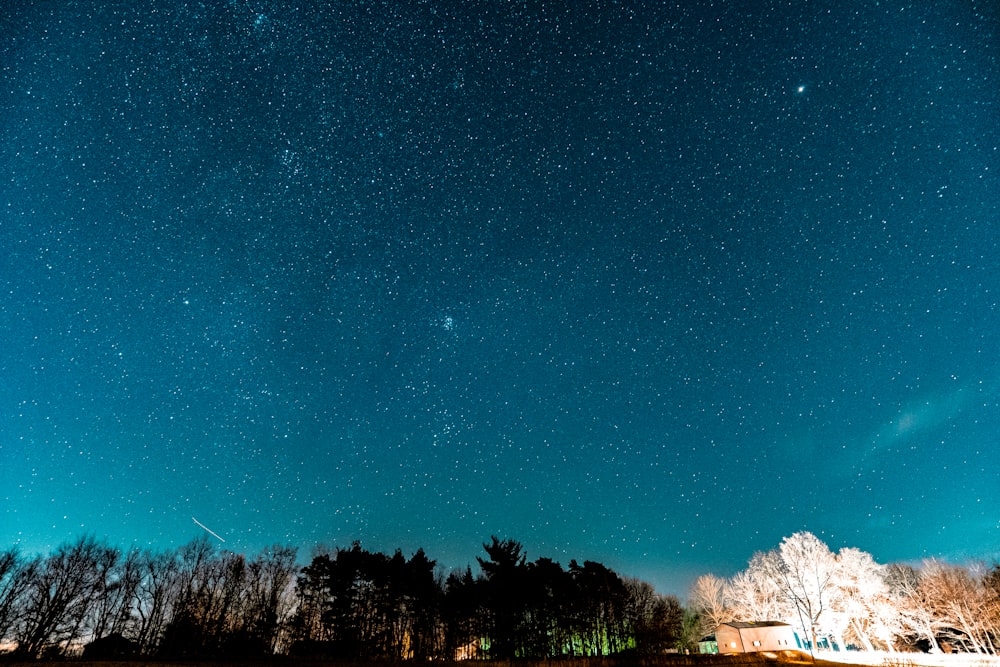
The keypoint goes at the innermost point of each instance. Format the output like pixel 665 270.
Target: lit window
pixel 732 644
pixel 756 642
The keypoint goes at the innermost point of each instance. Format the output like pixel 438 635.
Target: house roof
pixel 740 625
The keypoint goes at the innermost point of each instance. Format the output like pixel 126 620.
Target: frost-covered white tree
pixel 851 599
pixel 709 598
pixel 861 594
pixel 807 577
pixel 756 594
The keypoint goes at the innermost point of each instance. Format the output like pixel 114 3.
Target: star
pixel 505 279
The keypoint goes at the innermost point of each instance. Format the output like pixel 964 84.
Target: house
pixel 751 637
pixel 708 645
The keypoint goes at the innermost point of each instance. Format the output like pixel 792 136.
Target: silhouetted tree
pixel 654 621
pixel 111 647
pixel 691 632
pixel 504 593
pixel 266 601
pixel 119 578
pixel 199 603
pixel 463 616
pixel 600 605
pixel 307 625
pixel 16 576
pixel 208 586
pixel 422 596
pixel 155 598
pixel 365 605
pixel 547 625
pixel 58 598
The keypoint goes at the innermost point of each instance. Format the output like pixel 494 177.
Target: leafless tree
pixel 267 598
pixel 154 598
pixel 655 621
pixel 848 597
pixel 862 600
pixel 991 603
pixel 207 594
pixel 806 572
pixel 16 575
pixel 708 597
pixel 118 579
pixel 917 620
pixel 756 593
pixel 959 604
pixel 58 598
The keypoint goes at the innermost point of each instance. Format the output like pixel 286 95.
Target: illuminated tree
pixel 806 574
pixel 862 599
pixel 991 604
pixel 709 598
pixel 959 605
pixel 756 594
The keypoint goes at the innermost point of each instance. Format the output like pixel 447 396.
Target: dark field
pixel 757 660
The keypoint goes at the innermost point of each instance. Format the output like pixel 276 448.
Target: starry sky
pixel 648 283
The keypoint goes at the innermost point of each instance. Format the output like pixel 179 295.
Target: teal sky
pixel 652 284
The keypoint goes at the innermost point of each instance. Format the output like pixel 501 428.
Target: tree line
pixel 198 602
pixel 351 604
pixel 194 600
pixel 848 600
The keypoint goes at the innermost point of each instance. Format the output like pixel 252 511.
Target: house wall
pixel 728 639
pixel 751 640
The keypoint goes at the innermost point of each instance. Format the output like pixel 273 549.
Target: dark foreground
pixel 746 660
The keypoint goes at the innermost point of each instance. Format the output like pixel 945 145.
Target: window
pixel 756 642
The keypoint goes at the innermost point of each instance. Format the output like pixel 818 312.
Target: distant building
pixel 755 636
pixel 708 645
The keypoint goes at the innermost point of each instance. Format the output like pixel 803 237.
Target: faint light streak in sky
pixel 208 530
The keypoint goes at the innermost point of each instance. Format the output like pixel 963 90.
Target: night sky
pixel 652 284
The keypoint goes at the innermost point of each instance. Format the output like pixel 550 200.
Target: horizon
pixel 305 553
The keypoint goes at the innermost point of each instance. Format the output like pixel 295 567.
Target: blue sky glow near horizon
pixel 652 284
